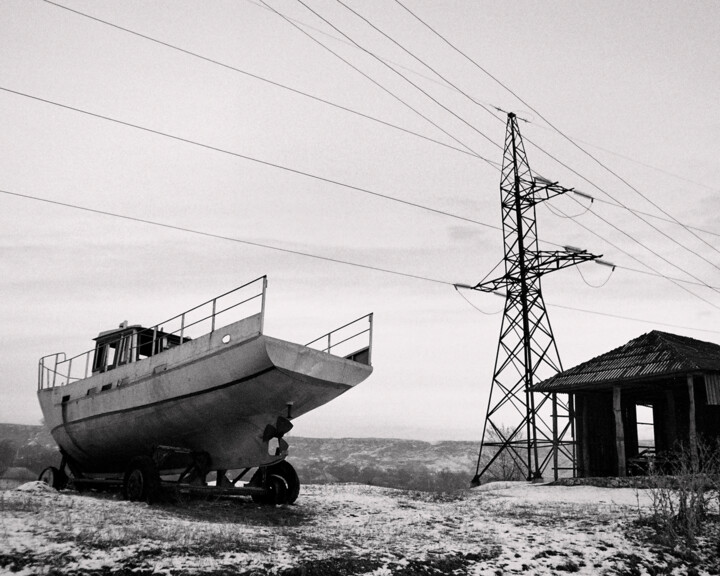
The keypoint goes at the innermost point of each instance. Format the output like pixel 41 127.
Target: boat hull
pixel 216 395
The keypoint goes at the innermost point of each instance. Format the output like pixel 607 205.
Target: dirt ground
pixel 340 529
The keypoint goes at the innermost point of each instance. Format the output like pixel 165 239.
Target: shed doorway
pixel 645 429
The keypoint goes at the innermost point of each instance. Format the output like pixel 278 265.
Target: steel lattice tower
pixel 526 352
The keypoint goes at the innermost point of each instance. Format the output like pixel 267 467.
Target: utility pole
pixel 526 350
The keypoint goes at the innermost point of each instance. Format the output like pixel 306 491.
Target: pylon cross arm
pixel 542 190
pixel 492 285
pixel 551 260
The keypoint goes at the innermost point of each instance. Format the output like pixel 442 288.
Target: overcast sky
pixel 635 84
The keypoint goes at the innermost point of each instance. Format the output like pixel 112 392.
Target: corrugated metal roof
pixel 655 354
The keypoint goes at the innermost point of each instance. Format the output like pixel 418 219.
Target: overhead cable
pixel 678 283
pixel 458 287
pixel 307 254
pixel 668 220
pixel 222 237
pixel 251 159
pixel 443 78
pixel 266 80
pixel 361 114
pixel 371 54
pixel 349 44
pixel 635 161
pixel 623 180
pixel 389 92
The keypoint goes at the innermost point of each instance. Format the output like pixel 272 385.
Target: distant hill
pixel 409 464
pixel 26 446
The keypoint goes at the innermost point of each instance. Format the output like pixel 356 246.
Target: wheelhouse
pixel 127 344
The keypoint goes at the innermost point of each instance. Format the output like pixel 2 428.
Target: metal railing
pixel 348 340
pixel 57 370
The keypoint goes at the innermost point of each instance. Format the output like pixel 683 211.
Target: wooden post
pixel 584 436
pixel 555 435
pixel 670 417
pixel 692 431
pixel 619 431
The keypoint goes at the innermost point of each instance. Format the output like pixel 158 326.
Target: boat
pixel 205 391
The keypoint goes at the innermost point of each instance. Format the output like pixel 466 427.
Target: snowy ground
pixel 336 529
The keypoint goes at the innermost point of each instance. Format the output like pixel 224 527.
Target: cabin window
pixel 105 387
pixel 99 359
pixel 90 392
pixel 65 398
pixel 127 349
pixel 106 356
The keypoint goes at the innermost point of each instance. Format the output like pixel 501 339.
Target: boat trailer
pixel 175 471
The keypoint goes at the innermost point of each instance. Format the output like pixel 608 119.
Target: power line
pixel 206 234
pixel 494 78
pixel 668 220
pixel 391 94
pixel 677 283
pixel 615 227
pixel 612 225
pixel 631 319
pixel 369 53
pixel 336 105
pixel 374 56
pixel 448 82
pixel 347 43
pixel 663 276
pixel 222 237
pixel 263 79
pixel 251 159
pixel 458 287
pixel 635 161
pixel 556 159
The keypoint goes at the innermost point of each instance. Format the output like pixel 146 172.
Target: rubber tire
pixel 54 478
pixel 276 486
pixel 278 490
pixel 286 471
pixel 141 482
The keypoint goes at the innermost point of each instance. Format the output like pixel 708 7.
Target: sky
pixel 240 120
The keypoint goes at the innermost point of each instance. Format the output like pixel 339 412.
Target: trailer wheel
pixel 54 478
pixel 286 471
pixel 277 490
pixel 142 481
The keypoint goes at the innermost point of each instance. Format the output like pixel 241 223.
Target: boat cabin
pixel 127 344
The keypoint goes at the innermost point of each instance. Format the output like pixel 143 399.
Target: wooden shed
pixel 675 377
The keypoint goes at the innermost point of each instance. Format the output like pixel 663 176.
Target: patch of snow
pixel 36 486
pixel 509 528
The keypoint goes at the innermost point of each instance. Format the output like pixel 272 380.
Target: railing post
pixel 87 363
pixel 69 372
pixel 262 306
pixel 152 346
pixel 212 321
pixel 370 319
pixel 182 327
pixel 55 371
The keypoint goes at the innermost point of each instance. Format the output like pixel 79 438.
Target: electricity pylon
pixel 526 351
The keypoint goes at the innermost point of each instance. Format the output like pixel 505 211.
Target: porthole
pixel 226 339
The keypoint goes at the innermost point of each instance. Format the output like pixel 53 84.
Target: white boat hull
pixel 214 395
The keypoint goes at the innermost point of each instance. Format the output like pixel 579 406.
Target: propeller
pixel 282 426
